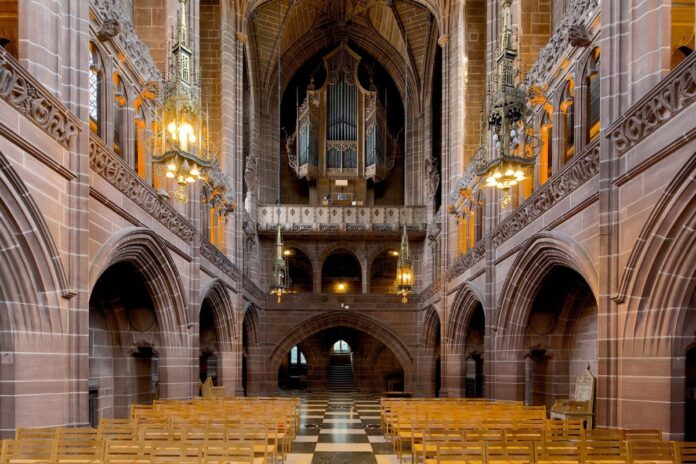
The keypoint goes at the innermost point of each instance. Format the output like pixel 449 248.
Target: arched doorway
pixel 209 346
pixel 340 372
pixel 249 341
pixel 383 272
pixel 123 336
pixel 473 354
pixel 292 373
pixel 561 336
pixel 690 396
pixel 301 271
pixel 341 273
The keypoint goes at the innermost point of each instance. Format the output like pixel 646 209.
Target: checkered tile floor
pixel 340 428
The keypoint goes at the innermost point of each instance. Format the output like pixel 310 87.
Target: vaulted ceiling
pixel 303 28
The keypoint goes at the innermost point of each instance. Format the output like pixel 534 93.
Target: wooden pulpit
pixel 581 406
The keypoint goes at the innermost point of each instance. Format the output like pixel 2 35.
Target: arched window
pixel 682 30
pixel 546 157
pixel 139 141
pixel 568 117
pixel 120 116
pixel 96 78
pixel 592 123
pixel 297 358
pixel 341 347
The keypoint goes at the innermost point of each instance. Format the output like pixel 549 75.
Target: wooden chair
pixel 557 452
pixel 232 453
pixel 501 452
pixel 125 452
pixel 603 435
pixel 643 434
pixel 604 451
pixel 652 452
pixel 687 452
pixel 176 452
pixel 78 446
pixel 563 430
pixel 463 453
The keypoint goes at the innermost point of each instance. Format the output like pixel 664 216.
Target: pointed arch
pixel 538 256
pixel 146 251
pixel 223 310
pixel 468 298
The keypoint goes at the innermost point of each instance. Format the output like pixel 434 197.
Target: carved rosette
pixel 583 167
pixel 111 167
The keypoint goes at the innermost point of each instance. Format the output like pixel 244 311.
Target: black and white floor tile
pixel 340 428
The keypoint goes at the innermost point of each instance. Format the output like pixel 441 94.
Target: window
pixel 568 118
pixel 592 123
pixel 95 90
pixel 139 143
pixel 682 30
pixel 546 158
pixel 297 357
pixel 341 347
pixel 120 116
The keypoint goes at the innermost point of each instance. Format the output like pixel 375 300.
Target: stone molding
pixel 464 262
pixel 29 97
pixel 674 93
pixel 582 168
pixel 352 220
pixel 114 169
pixel 122 33
pixel 576 15
pixel 219 260
pixel 254 290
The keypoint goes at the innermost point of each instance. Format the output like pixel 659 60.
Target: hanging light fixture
pixel 181 142
pixel 514 145
pixel 404 270
pixel 280 279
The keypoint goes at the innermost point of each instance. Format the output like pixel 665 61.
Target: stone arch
pixel 145 250
pixel 539 255
pixel 333 248
pixel 31 320
pixel 223 311
pixel 339 318
pixel 431 328
pixel 250 326
pixel 659 277
pixel 465 302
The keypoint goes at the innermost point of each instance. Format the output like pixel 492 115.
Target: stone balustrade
pixel 342 220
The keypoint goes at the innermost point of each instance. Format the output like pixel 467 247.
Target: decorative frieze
pixel 115 27
pixel 25 94
pixel 219 260
pixel 111 167
pixel 669 97
pixel 464 262
pixel 364 220
pixel 582 168
pixel 575 19
pixel 252 289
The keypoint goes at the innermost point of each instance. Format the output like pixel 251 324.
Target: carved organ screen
pixel 341 138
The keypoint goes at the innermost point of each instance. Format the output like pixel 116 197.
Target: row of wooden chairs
pixel 607 452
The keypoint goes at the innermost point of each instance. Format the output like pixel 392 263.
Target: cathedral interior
pixel 360 216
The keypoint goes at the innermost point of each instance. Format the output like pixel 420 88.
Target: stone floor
pixel 340 428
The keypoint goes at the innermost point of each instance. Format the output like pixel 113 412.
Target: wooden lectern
pixel 581 406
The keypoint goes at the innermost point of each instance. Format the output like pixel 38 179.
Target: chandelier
pixel 281 277
pixel 404 270
pixel 514 146
pixel 181 142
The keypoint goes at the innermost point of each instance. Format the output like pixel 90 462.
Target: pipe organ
pixel 341 139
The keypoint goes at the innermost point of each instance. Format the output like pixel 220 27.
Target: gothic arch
pixel 431 329
pixel 250 326
pixel 659 279
pixel 465 303
pixel 223 311
pixel 145 250
pixel 539 255
pixel 349 319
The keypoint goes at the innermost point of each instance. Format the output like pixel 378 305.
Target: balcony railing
pixel 342 220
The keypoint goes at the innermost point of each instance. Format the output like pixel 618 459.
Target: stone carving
pixel 110 28
pixel 137 52
pixel 579 36
pixel 111 167
pixel 467 260
pixel 219 260
pixel 575 17
pixel 249 229
pixel 25 94
pixel 582 168
pixel 432 176
pixel 435 226
pixel 383 228
pixel 669 97
pixel 254 290
pixel 250 173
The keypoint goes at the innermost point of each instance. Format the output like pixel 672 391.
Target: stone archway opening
pixel 123 336
pixel 301 271
pixel 474 353
pixel 341 273
pixel 383 272
pixel 209 344
pixel 341 359
pixel 560 335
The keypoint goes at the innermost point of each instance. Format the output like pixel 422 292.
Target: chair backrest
pixel 456 453
pixel 652 452
pixel 642 435
pixel 501 452
pixel 603 451
pixel 557 452
pixel 687 452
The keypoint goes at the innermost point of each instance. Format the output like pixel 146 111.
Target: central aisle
pixel 340 428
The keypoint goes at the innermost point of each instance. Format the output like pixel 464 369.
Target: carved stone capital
pixel 578 35
pixel 110 28
pixel 443 40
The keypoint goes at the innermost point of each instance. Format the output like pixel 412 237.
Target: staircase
pixel 341 374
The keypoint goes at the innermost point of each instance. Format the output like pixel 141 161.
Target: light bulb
pixel 171 166
pixel 509 172
pixel 190 180
pixel 172 128
pixel 192 138
pixel 497 175
pixel 194 171
pixel 512 182
pixel 170 174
